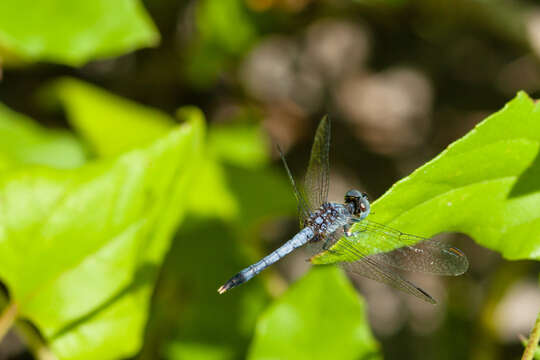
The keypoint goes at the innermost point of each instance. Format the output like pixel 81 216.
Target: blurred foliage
pixel 223 31
pixel 285 329
pixel 24 142
pixel 203 323
pixel 82 30
pixel 94 112
pixel 233 193
pixel 114 239
pixel 243 145
pixel 92 239
pixel 90 110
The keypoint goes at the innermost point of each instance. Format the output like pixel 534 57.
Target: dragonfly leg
pixel 347 230
pixel 326 245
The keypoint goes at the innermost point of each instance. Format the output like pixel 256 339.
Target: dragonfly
pixel 344 232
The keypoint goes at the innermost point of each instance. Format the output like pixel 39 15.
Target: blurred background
pixel 401 80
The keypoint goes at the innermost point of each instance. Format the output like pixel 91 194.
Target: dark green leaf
pixel 23 142
pixel 320 317
pixel 203 323
pixel 226 204
pixel 224 31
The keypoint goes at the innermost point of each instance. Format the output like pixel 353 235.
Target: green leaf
pixel 382 3
pixel 225 24
pixel 241 144
pixel 111 124
pixel 24 142
pixel 235 179
pixel 198 351
pixel 72 32
pixel 486 185
pixel 320 317
pixel 212 197
pixel 225 30
pixel 205 253
pixel 261 193
pixel 80 250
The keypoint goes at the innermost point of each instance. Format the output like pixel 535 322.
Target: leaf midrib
pixel 76 264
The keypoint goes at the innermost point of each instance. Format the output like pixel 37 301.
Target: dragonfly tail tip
pixel 222 289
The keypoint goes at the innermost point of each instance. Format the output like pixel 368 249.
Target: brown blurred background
pixel 400 79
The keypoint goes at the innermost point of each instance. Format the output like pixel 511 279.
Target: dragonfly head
pixel 358 203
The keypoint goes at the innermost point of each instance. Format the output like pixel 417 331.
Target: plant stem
pixel 7 318
pixel 34 341
pixel 528 354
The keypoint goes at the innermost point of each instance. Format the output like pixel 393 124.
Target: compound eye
pixel 362 207
pixel 351 194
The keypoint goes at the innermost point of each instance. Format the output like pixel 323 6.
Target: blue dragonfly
pixel 372 250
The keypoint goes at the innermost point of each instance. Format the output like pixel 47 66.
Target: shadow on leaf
pixel 527 182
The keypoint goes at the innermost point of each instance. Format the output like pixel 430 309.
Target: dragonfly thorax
pixel 328 218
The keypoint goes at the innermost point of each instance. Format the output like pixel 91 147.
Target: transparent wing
pixel 317 180
pixel 407 252
pixel 301 203
pixel 365 265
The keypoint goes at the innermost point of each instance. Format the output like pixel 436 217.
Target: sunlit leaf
pixel 24 142
pixel 212 197
pixel 486 185
pixel 80 250
pixel 239 144
pixel 198 351
pixel 72 32
pixel 320 317
pixel 111 124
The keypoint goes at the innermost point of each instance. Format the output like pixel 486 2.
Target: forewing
pixel 317 180
pixel 366 265
pixel 301 203
pixel 408 252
